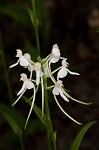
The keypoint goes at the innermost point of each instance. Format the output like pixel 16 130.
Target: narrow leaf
pixel 55 133
pixel 17 12
pixel 31 15
pixel 10 118
pixel 77 141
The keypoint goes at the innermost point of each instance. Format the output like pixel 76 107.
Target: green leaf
pixel 55 133
pixel 31 15
pixel 17 12
pixel 77 141
pixel 9 116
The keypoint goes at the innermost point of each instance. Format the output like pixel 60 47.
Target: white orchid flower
pixel 53 58
pixel 58 90
pixel 64 70
pixel 55 55
pixel 24 60
pixel 39 73
pixel 27 84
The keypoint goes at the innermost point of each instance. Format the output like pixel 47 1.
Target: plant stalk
pixel 36 26
pixel 50 133
pixel 21 142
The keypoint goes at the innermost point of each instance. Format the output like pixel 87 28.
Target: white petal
pixel 24 61
pixel 22 89
pixel 14 64
pixel 55 50
pixel 65 112
pixel 30 68
pixel 19 53
pixel 55 91
pixel 19 97
pixel 29 84
pixel 54 59
pixel 73 73
pixel 65 63
pixel 37 77
pixel 41 73
pixel 63 58
pixel 62 72
pixel 28 56
pixel 63 96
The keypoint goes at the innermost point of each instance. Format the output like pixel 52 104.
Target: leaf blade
pixel 9 116
pixel 76 143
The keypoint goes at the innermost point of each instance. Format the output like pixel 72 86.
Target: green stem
pixel 50 133
pixel 21 142
pixel 5 72
pixel 36 26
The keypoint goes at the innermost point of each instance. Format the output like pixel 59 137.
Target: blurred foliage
pixel 17 12
pixel 12 118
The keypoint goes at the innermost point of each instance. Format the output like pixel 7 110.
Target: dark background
pixel 73 25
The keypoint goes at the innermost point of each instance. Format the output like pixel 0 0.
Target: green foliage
pixel 10 117
pixel 77 141
pixel 31 15
pixel 17 12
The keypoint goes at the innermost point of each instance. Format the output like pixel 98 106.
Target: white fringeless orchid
pixel 43 70
pixel 55 55
pixel 27 84
pixel 24 60
pixel 59 90
pixel 64 70
pixel 52 58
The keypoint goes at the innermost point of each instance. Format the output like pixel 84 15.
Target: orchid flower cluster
pixel 43 70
